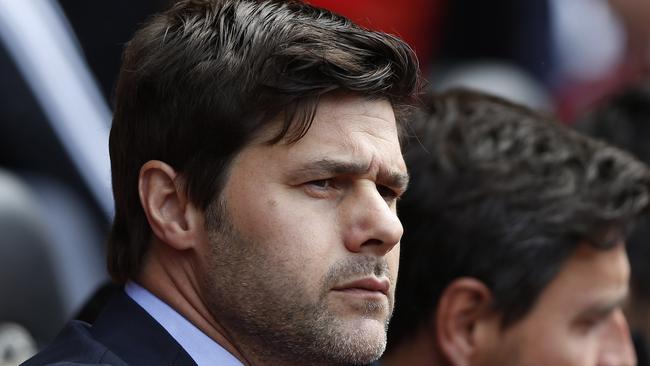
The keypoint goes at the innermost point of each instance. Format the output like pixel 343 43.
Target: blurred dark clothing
pixel 641 350
pixel 505 30
pixel 103 28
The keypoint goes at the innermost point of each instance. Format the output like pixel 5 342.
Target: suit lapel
pixel 133 335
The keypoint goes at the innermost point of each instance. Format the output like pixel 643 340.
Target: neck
pixel 170 277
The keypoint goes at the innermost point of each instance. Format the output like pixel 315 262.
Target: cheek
pixel 297 233
pixel 285 215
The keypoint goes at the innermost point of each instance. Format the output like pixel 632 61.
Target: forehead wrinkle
pixel 370 116
pixel 365 136
pixel 367 129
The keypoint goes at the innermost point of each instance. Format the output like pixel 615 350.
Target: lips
pixel 370 284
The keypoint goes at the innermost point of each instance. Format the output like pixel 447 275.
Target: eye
pixel 388 193
pixel 321 188
pixel 320 183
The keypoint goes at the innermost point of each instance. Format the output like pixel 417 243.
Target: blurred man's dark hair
pixel 504 196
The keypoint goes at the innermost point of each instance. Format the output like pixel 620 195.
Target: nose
pixel 616 343
pixel 370 223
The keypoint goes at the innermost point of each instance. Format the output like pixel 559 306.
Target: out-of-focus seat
pixel 49 261
pixel 29 286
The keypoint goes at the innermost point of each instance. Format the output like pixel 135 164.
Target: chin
pixel 377 327
pixel 364 339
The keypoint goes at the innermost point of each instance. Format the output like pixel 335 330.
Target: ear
pixel 171 217
pixel 463 304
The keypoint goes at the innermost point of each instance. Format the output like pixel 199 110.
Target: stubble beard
pixel 271 318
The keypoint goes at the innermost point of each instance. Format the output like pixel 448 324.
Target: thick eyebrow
pixel 323 167
pixel 603 309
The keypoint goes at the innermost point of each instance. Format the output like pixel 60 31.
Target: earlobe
pixel 462 306
pixel 165 204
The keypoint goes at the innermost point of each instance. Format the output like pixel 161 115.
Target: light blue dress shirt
pixel 203 350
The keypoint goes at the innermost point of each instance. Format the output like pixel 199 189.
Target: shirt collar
pixel 202 349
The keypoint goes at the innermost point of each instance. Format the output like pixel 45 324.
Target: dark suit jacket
pixel 123 334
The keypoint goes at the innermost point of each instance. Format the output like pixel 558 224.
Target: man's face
pixel 577 319
pixel 302 262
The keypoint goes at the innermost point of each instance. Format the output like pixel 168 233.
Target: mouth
pixel 365 286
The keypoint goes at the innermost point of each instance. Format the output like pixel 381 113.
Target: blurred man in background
pixel 514 245
pixel 256 167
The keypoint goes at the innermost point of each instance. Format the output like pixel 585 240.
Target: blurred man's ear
pixel 172 218
pixel 462 309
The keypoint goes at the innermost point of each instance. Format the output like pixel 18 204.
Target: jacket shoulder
pixel 75 346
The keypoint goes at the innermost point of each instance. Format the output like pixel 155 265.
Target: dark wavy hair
pixel 199 79
pixel 503 194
